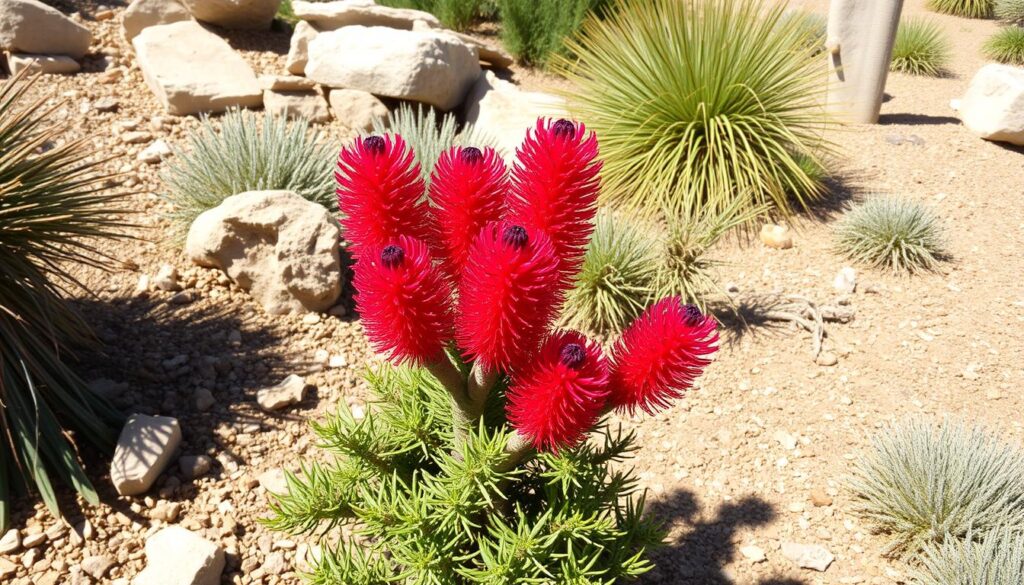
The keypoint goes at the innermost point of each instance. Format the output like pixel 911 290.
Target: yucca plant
pixel 892 232
pixel 243 151
pixel 694 115
pixel 54 204
pixel 921 48
pixel 922 483
pixel 965 8
pixel 995 558
pixel 1010 11
pixel 814 26
pixel 1006 46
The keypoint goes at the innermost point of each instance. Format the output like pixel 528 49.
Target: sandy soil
pixel 732 466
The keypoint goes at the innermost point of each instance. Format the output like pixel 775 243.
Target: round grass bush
pixel 891 232
pixel 1006 46
pixel 921 48
pixel 692 114
pixel 1011 11
pixel 997 558
pixel 965 8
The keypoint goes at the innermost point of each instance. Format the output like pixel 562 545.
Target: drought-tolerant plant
pixel 487 457
pixel 813 25
pixel 995 558
pixel 1010 11
pixel 535 30
pixel 454 14
pixel 965 8
pixel 921 48
pixel 53 207
pixel 1006 46
pixel 693 114
pixel 923 483
pixel 892 232
pixel 243 151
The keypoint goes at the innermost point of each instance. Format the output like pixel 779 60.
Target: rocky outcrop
pixel 29 26
pixel 494 55
pixel 504 112
pixel 993 106
pixel 144 448
pixel 356 109
pixel 235 14
pixel 334 15
pixel 177 556
pixel 142 14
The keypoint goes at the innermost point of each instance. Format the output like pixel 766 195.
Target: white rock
pixel 845 281
pixel 274 481
pixel 309 105
pixel 30 26
pixel 785 439
pixel 807 556
pixel 356 109
pixel 166 278
pixel 504 112
pixel 7 568
pixel 156 152
pixel 52 64
pixel 492 54
pixel 169 55
pixel 754 554
pixel 235 14
pixel 275 244
pixel 142 14
pixel 993 106
pixel 776 236
pixel 286 83
pixel 334 15
pixel 289 391
pixel 176 556
pixel 10 542
pixel 144 449
pixel 429 67
pixel 298 51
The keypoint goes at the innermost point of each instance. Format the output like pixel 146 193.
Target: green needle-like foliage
pixel 699 103
pixel 813 25
pixel 921 48
pixel 54 206
pixel 1006 46
pixel 1010 11
pixel 243 151
pixel 454 14
pixel 923 483
pixel 997 558
pixel 965 8
pixel 891 232
pixel 535 31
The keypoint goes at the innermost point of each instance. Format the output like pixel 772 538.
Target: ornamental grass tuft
pixel 921 48
pixel 893 233
pixel 965 8
pixel 1006 46
pixel 995 558
pixel 1010 11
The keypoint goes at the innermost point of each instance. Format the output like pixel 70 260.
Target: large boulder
pixel 142 14
pixel 993 106
pixel 29 26
pixel 280 247
pixel 298 51
pixel 177 556
pixel 235 14
pixel 357 109
pixel 192 70
pixel 504 112
pixel 492 54
pixel 430 67
pixel 144 448
pixel 334 15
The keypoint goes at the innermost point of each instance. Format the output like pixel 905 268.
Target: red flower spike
pixel 380 193
pixel 660 355
pixel 404 301
pixel 467 190
pixel 554 188
pixel 508 296
pixel 558 398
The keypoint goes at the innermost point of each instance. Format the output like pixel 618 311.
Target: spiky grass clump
pixel 813 25
pixel 1006 46
pixel 1010 11
pixel 243 151
pixel 891 232
pixel 922 483
pixel 996 558
pixel 53 207
pixel 534 31
pixel 921 48
pixel 693 115
pixel 965 8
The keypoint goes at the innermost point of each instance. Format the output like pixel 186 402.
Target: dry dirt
pixel 732 466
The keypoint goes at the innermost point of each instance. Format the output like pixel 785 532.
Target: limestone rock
pixel 754 554
pixel 177 556
pixel 169 55
pixel 845 280
pixel 503 111
pixel 356 109
pixel 334 15
pixel 289 391
pixel 53 64
pixel 142 14
pixel 97 566
pixel 776 236
pixel 298 50
pixel 275 244
pixel 274 481
pixel 235 14
pixel 993 106
pixel 808 556
pixel 430 67
pixel 144 449
pixel 156 152
pixel 296 104
pixel 10 542
pixel 492 54
pixel 30 26
pixel 286 83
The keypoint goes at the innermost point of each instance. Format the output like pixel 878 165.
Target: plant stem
pixel 463 414
pixel 479 386
pixel 517 449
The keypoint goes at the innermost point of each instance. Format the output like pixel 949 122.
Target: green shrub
pixel 53 207
pixel 692 114
pixel 814 26
pixel 892 232
pixel 242 152
pixel 454 14
pixel 1006 46
pixel 965 8
pixel 921 48
pixel 535 30
pixel 1010 11
pixel 996 558
pixel 922 483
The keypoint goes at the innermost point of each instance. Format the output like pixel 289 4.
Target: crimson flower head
pixel 660 355
pixel 404 301
pixel 555 185
pixel 380 192
pixel 508 295
pixel 560 395
pixel 467 189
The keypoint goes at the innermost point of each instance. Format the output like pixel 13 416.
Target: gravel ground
pixel 753 458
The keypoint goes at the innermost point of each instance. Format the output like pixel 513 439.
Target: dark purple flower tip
pixel 692 315
pixel 564 127
pixel 374 144
pixel 471 155
pixel 573 355
pixel 392 256
pixel 515 236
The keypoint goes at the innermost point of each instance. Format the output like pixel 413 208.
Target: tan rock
pixel 235 14
pixel 177 556
pixel 492 54
pixel 993 106
pixel 145 447
pixel 298 51
pixel 334 15
pixel 504 112
pixel 309 105
pixel 776 236
pixel 142 14
pixel 30 26
pixel 356 109
pixel 286 83
pixel 291 390
pixel 54 64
